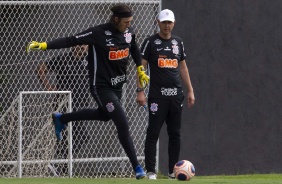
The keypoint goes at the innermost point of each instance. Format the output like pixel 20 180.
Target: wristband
pixel 139 90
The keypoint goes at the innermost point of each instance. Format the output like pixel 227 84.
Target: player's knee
pixel 174 135
pixel 152 138
pixel 122 127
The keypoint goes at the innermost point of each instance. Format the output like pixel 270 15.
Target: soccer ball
pixel 184 170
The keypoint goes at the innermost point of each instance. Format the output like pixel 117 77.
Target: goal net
pixel 27 137
pixel 95 149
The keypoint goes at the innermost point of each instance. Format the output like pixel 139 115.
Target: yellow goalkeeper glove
pixel 36 46
pixel 143 78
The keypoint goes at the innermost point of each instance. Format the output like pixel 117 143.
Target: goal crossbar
pixel 143 2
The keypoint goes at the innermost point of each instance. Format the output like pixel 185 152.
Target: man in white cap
pixel 165 56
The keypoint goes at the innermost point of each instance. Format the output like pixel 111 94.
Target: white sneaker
pixel 151 176
pixel 171 176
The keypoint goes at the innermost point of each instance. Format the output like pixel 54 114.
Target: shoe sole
pixel 141 177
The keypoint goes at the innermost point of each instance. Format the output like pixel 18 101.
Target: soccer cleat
pixel 139 172
pixel 59 127
pixel 151 176
pixel 171 176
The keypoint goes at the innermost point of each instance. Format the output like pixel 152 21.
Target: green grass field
pixel 238 179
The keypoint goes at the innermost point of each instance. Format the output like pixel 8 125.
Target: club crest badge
pixel 110 107
pixel 154 107
pixel 175 49
pixel 128 37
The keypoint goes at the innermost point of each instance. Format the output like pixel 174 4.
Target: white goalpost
pixel 28 144
pixel 35 136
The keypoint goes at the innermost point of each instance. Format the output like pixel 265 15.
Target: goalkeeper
pixel 109 47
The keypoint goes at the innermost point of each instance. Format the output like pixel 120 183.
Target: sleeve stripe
pixel 144 49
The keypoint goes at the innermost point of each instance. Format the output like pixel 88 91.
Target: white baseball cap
pixel 166 15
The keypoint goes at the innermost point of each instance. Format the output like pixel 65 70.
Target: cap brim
pixel 165 19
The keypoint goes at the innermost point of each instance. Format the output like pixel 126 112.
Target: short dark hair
pixel 121 11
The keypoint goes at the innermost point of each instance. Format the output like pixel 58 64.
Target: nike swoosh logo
pixel 107 40
pixel 159 49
